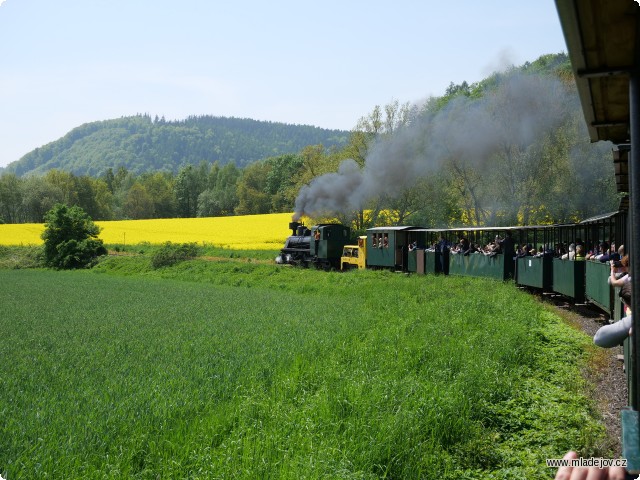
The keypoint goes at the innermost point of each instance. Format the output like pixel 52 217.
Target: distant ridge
pixel 142 144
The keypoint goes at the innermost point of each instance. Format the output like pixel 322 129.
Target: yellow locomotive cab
pixel 354 256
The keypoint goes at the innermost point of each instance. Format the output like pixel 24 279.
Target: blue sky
pixel 68 62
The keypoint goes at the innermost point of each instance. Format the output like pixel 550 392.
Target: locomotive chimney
pixel 294 227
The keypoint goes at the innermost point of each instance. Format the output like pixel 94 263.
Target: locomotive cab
pixel 327 243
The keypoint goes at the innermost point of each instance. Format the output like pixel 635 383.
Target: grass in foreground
pixel 253 371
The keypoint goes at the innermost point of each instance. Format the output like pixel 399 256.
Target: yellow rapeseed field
pixel 250 232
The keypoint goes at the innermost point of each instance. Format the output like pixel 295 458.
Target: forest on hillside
pixel 141 144
pixel 509 150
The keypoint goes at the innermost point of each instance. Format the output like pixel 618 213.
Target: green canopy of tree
pixel 70 238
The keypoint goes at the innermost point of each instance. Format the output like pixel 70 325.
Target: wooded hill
pixel 142 144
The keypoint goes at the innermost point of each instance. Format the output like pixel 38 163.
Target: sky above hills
pixel 68 62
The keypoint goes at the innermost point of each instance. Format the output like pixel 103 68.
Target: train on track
pixel 420 250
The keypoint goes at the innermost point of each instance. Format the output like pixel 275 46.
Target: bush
pixel 15 257
pixel 172 253
pixel 71 238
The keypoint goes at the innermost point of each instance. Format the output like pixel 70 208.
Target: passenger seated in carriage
pixel 604 250
pixel 464 245
pixel 474 248
pixel 493 248
pixel 571 255
pixel 518 250
pixel 597 252
pixel 610 254
pixel 523 251
pixel 498 244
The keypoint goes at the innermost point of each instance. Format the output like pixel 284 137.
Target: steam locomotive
pixel 320 246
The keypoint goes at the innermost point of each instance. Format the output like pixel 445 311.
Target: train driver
pixel 316 237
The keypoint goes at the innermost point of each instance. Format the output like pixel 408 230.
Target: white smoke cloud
pixel 505 59
pixel 2 1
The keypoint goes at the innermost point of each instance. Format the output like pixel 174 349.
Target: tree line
pixel 489 153
pixel 203 190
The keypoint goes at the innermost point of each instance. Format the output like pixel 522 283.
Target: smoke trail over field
pixel 516 113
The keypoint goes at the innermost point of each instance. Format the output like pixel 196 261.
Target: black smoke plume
pixel 516 112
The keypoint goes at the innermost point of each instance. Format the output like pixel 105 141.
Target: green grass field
pixel 243 370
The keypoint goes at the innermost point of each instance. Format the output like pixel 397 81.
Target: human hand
pixel 588 473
